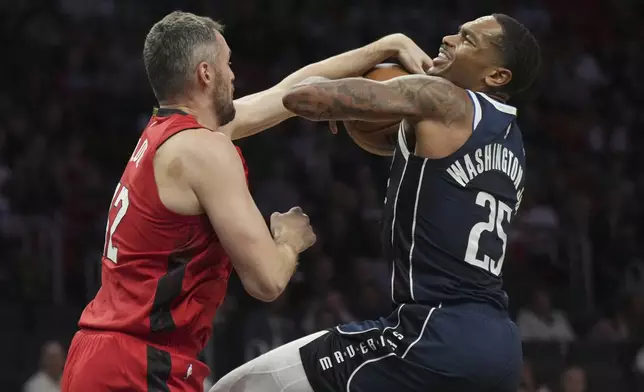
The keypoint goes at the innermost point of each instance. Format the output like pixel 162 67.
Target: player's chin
pixel 438 70
pixel 229 115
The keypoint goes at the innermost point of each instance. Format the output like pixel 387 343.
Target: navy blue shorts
pixel 467 347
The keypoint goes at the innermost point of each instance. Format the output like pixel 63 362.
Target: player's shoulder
pixel 422 83
pixel 440 100
pixel 199 150
pixel 197 142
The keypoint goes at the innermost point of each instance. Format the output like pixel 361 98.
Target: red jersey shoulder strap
pixel 171 122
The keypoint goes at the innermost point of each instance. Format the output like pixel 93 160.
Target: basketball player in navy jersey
pixel 456 182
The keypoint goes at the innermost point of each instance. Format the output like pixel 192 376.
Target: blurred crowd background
pixel 75 97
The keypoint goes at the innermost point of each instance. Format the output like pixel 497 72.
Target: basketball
pixel 377 137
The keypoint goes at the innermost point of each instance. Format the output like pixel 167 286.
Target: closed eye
pixel 467 37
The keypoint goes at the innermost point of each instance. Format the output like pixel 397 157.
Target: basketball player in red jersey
pixel 182 216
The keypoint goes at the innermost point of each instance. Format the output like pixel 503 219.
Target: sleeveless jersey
pixel 163 274
pixel 446 220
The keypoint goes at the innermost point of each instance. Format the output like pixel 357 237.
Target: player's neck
pixel 503 98
pixel 204 114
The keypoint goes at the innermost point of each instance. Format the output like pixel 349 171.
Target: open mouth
pixel 444 57
pixel 444 54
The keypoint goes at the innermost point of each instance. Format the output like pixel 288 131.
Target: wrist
pixel 391 44
pixel 290 249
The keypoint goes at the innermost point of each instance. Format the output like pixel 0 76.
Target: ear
pixel 498 77
pixel 204 73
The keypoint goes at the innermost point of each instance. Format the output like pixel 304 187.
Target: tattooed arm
pixel 415 97
pixel 263 110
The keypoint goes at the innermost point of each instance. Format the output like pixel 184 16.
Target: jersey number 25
pixel 121 201
pixel 499 212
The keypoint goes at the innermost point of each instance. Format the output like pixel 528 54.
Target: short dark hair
pixel 521 54
pixel 173 48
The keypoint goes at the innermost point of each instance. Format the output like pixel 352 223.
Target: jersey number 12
pixel 121 201
pixel 499 212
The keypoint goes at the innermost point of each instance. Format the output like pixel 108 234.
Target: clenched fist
pixel 293 228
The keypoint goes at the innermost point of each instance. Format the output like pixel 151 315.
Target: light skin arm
pixel 214 171
pixel 415 97
pixel 265 109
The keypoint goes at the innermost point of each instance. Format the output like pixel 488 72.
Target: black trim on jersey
pixel 166 112
pixel 159 365
pixel 168 289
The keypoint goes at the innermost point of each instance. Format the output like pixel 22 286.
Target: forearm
pixel 352 63
pixel 270 275
pixel 263 110
pixel 280 272
pixel 287 264
pixel 414 97
pixel 321 99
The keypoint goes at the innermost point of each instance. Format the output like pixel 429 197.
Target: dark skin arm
pixel 414 97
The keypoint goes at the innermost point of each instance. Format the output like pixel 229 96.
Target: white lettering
pixel 510 160
pixel 371 345
pixel 457 173
pixel 325 363
pixel 495 220
pixel 121 200
pixel 363 348
pixel 515 168
pixel 519 198
pixel 497 157
pixel 517 181
pixel 338 356
pixel 488 157
pixel 138 152
pixel 470 167
pixel 351 352
pixel 479 161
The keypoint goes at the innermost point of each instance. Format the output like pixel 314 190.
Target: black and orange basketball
pixel 377 137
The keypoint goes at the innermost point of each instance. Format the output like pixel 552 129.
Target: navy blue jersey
pixel 446 220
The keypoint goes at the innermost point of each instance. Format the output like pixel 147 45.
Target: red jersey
pixel 163 274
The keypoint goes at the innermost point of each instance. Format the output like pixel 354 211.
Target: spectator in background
pixel 268 327
pixel 47 379
pixel 528 383
pixel 327 312
pixel 541 322
pixel 617 325
pixel 573 379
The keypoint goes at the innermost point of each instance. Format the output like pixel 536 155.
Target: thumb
pixel 427 64
pixel 414 66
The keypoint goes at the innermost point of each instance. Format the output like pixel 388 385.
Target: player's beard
pixel 223 101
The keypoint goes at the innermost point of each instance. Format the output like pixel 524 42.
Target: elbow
pixel 306 100
pixel 264 290
pixel 292 99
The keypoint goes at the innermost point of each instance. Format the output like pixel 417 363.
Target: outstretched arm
pixel 263 110
pixel 415 97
